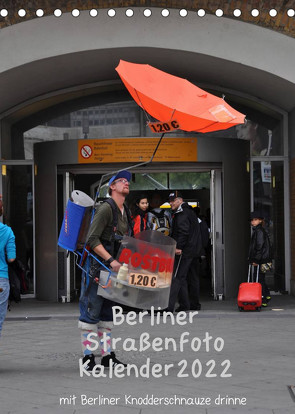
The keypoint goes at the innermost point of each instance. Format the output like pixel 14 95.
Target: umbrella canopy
pixel 166 97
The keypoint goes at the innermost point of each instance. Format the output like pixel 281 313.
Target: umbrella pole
pixel 85 250
pixel 128 168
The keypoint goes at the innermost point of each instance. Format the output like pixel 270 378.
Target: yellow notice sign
pixel 136 150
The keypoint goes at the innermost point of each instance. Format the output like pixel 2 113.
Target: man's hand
pixel 101 251
pixel 178 252
pixel 115 266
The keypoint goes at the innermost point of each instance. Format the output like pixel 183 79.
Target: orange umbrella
pixel 175 101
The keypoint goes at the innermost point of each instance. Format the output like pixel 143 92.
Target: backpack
pixel 268 244
pixel 16 275
pixel 113 245
pixel 113 205
pixel 160 220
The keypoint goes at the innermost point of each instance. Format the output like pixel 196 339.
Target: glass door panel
pixel 268 186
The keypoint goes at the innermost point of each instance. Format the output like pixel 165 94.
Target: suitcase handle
pixel 252 267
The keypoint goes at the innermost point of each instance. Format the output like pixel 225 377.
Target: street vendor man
pixel 111 222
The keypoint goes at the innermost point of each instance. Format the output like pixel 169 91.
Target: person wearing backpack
pixel 187 234
pixel 7 254
pixel 111 222
pixel 158 218
pixel 260 252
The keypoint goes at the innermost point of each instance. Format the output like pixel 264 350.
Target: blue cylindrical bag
pixel 69 233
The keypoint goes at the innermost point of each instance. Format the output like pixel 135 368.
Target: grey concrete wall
pixel 234 155
pixel 48 54
pixel 292 134
pixel 219 37
pixel 47 157
pixel 292 195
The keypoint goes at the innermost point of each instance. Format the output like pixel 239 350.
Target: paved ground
pixel 40 351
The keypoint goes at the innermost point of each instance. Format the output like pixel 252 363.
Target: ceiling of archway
pixel 281 22
pixel 58 75
pixel 27 83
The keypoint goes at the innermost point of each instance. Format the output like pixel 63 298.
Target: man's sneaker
pixel 105 361
pixel 91 362
pixel 264 304
pixel 268 298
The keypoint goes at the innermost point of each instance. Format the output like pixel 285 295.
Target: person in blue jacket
pixel 7 253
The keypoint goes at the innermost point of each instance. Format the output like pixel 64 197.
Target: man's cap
pixel 121 174
pixel 174 195
pixel 256 214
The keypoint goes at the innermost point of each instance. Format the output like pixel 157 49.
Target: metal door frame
pixel 287 229
pixel 34 171
pixel 216 233
pixel 216 208
pixel 68 187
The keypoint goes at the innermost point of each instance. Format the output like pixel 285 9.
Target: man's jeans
pixel 4 295
pixel 94 308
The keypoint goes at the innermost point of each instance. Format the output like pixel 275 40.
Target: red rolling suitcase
pixel 250 293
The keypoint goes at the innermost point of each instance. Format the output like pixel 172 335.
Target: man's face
pixel 175 203
pixel 121 186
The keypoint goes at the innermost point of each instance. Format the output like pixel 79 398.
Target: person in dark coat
pixel 186 232
pixel 195 270
pixel 260 251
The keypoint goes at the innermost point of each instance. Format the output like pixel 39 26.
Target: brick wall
pixel 281 23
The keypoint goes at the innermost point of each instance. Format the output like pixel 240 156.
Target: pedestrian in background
pixel 260 252
pixel 187 234
pixel 140 214
pixel 158 218
pixel 195 269
pixel 7 254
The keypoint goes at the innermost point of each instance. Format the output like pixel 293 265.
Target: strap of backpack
pixel 113 206
pixel 129 220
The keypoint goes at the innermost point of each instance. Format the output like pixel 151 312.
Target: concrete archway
pixel 50 61
pixel 45 56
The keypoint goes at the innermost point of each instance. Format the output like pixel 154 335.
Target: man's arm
pixel 11 248
pixel 183 230
pixel 101 220
pixel 101 251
